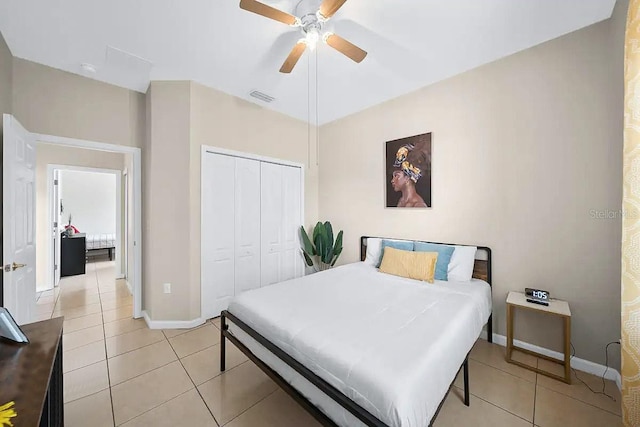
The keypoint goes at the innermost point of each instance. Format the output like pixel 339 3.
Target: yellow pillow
pixel 409 264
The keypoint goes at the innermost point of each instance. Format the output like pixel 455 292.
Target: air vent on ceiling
pixel 261 96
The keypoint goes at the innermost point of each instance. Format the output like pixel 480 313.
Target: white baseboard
pixel 576 363
pixel 171 324
pixel 120 276
pixel 43 288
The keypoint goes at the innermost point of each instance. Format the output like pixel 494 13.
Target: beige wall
pixel 523 150
pixel 70 156
pixel 183 116
pixel 54 102
pixel 166 211
pixel 6 77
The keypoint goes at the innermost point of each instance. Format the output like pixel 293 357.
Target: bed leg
pixel 490 328
pixel 466 380
pixel 223 342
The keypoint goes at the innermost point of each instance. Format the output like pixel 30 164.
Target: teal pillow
pixel 403 246
pixel 444 256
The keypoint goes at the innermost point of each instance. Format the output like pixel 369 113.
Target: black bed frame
pixel 482 270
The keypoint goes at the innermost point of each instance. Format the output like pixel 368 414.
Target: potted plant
pixel 323 249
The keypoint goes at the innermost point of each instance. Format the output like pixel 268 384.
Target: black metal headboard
pixel 481 268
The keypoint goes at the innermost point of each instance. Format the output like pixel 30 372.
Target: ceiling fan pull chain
pixel 317 114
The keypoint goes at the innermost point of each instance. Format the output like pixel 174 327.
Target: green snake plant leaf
pixel 338 244
pixel 308 247
pixel 319 241
pixel 329 258
pixel 308 250
pixel 329 229
pixel 316 231
pixel 335 259
pixel 307 258
pixel 337 248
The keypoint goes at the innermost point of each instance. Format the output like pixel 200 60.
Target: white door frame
pixel 125 225
pixel 52 213
pixel 135 173
pixel 56 230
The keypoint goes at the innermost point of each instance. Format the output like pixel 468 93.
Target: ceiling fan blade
pixel 346 48
pixel 293 57
pixel 328 8
pixel 267 11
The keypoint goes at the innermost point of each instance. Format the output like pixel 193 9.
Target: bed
pixel 358 347
pixel 100 242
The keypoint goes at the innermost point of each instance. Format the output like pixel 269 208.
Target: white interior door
pixel 247 225
pixel 218 233
pixel 271 223
pixel 18 225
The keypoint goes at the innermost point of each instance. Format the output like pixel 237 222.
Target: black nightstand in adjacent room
pixel 73 255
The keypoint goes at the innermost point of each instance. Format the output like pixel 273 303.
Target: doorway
pixel 18 285
pixel 89 201
pixel 133 229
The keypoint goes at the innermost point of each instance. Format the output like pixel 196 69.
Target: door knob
pixel 16 266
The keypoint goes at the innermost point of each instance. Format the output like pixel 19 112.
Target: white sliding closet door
pixel 271 222
pixel 281 220
pixel 292 208
pixel 247 225
pixel 218 233
pixel 252 209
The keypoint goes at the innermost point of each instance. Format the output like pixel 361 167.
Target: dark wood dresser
pixel 73 255
pixel 31 375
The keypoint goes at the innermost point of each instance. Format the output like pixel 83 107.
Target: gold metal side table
pixel 555 308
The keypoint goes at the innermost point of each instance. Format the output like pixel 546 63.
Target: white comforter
pixel 393 345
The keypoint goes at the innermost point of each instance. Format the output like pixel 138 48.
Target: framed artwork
pixel 408 175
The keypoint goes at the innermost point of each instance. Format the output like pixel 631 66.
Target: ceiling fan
pixel 311 22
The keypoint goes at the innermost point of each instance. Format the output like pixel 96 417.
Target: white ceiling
pixel 411 43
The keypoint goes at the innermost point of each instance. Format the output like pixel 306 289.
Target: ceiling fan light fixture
pixel 311 39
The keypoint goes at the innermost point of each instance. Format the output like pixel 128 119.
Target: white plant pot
pixel 322 266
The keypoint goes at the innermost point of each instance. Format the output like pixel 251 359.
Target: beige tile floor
pixel 119 372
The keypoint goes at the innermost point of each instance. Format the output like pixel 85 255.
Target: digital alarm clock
pixel 537 296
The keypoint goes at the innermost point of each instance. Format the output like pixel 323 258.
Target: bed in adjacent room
pixel 356 346
pixel 101 242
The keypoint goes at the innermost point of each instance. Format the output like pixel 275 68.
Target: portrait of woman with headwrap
pixel 409 172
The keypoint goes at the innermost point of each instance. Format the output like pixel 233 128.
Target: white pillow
pixel 373 251
pixel 461 264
